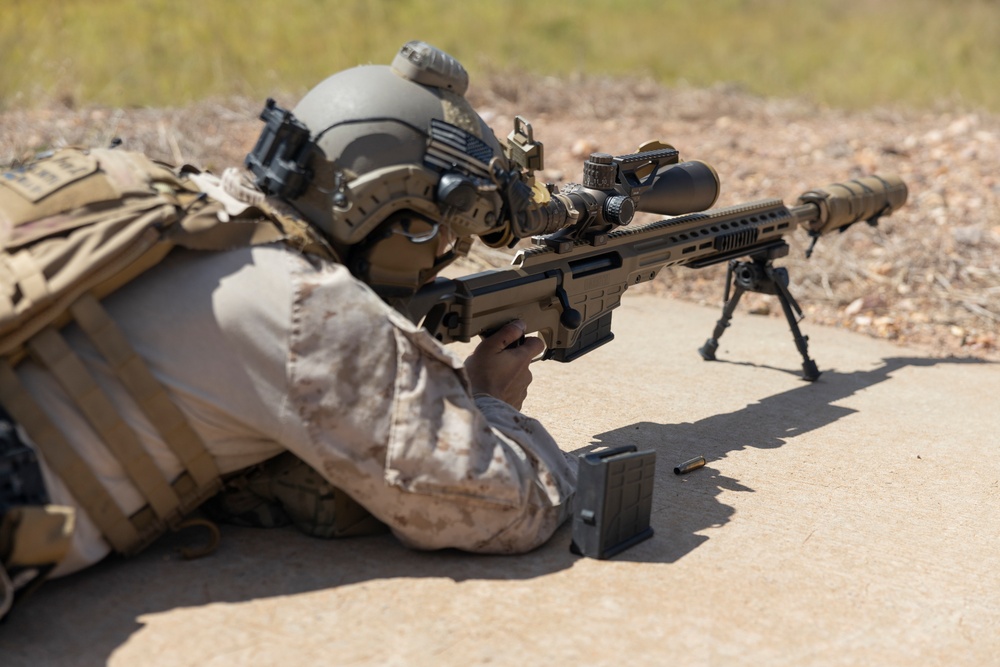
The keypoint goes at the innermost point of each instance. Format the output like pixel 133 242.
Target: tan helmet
pixel 386 161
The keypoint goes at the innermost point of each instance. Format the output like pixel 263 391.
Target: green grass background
pixel 845 53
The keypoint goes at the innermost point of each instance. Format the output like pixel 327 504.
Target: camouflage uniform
pixel 266 350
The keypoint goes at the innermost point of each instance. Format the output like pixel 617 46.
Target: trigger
pixel 517 343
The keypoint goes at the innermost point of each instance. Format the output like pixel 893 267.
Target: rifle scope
pixel 610 195
pixel 682 188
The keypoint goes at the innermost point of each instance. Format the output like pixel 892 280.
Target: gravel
pixel 928 277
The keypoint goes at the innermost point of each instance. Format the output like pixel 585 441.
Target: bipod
pixel 761 276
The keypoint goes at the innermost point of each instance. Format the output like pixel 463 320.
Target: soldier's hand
pixel 499 368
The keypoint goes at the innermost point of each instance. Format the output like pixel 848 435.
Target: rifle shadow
pixel 687 504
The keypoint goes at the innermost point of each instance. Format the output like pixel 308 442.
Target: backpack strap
pixel 33 540
pixel 151 397
pixel 28 276
pixel 52 351
pixel 168 503
pixel 70 466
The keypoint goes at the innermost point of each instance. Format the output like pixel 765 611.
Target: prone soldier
pixel 250 348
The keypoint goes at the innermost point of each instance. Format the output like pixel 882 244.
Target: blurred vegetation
pixel 845 53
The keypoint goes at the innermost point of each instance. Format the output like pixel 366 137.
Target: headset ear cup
pixel 456 191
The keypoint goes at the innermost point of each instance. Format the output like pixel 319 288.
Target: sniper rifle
pixel 566 287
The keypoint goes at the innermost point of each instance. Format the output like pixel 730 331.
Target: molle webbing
pixel 167 503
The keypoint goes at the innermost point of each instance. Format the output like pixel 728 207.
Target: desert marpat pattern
pixel 392 422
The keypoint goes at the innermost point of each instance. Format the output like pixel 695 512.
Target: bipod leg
pixel 708 350
pixel 790 307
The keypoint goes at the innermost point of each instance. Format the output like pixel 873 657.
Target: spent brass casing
pixel 688 466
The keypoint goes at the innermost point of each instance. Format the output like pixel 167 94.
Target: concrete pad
pixel 848 521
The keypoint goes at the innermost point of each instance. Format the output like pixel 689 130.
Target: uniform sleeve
pixel 385 414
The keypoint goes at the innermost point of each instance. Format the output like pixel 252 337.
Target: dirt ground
pixel 928 277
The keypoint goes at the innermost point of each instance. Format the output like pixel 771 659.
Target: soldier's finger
pixel 531 347
pixel 509 334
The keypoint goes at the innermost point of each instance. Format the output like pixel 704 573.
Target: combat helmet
pixel 389 163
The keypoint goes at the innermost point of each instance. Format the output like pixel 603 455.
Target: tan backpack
pixel 74 227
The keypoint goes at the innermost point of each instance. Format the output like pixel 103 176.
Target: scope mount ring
pixel 631 184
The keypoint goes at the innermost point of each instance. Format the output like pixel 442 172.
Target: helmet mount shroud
pixel 375 147
pixel 281 157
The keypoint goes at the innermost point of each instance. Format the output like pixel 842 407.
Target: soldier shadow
pixel 686 505
pixel 84 618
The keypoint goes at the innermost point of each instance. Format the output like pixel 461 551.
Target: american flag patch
pixel 451 148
